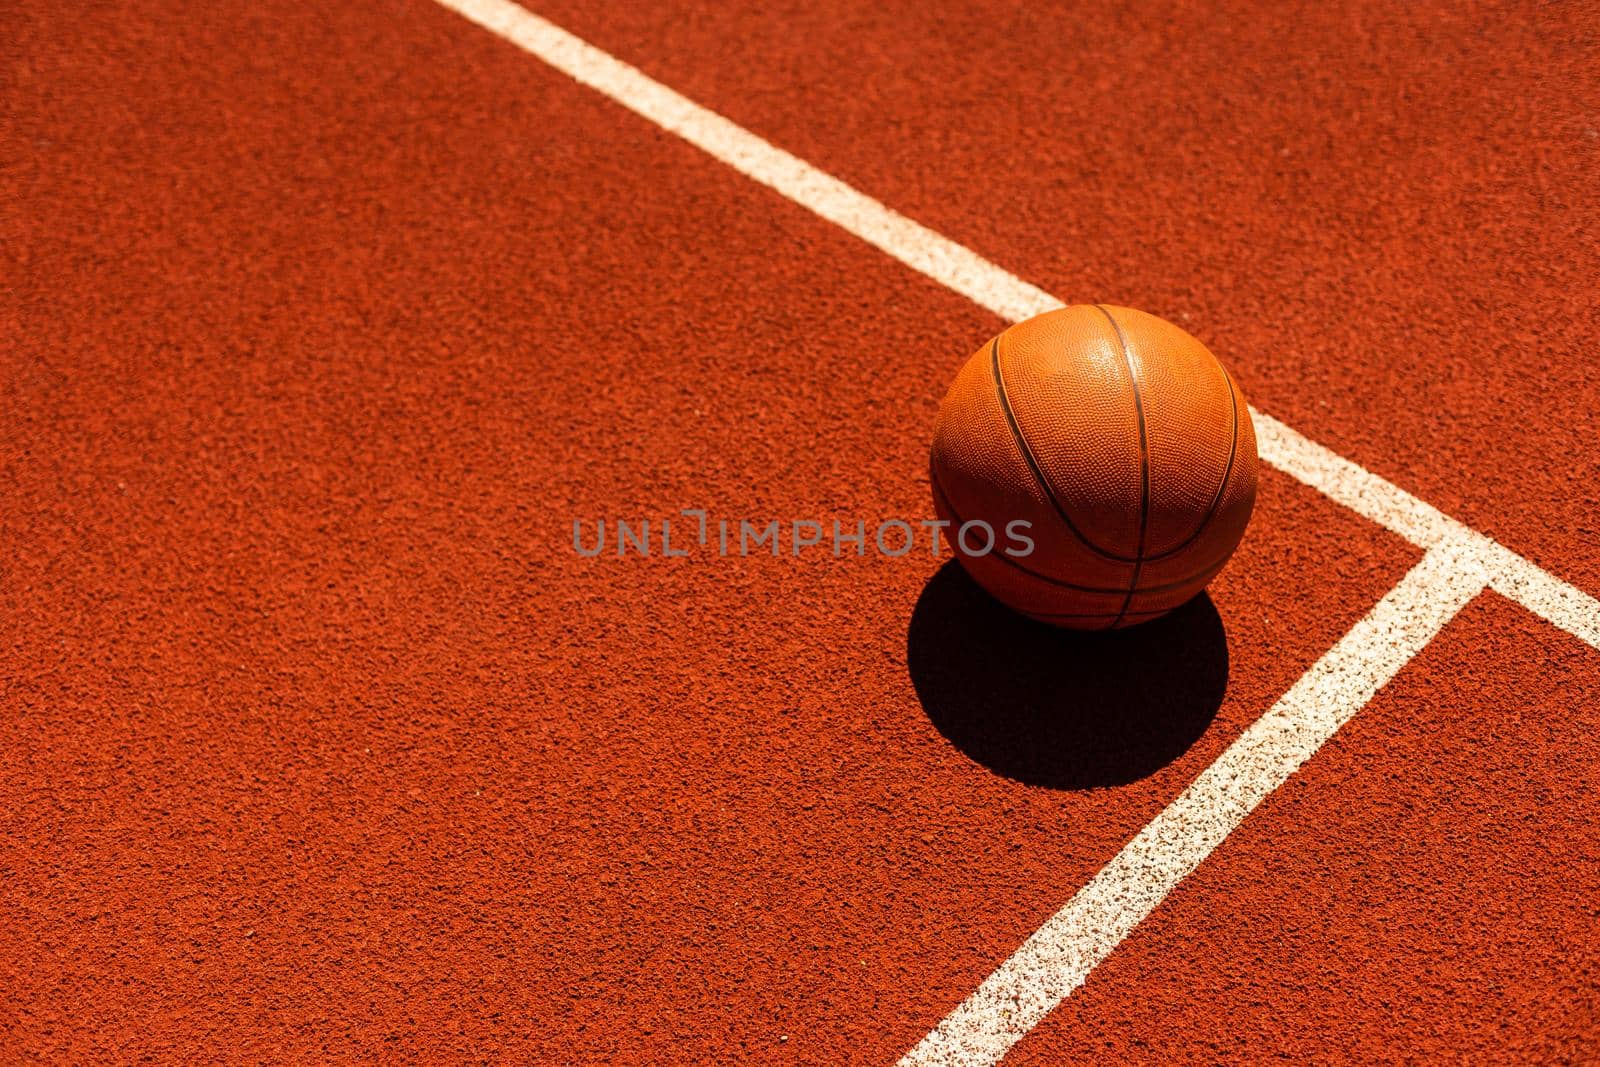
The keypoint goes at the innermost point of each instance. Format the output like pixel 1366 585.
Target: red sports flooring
pixel 324 321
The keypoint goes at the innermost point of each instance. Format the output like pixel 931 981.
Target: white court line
pixel 1058 958
pixel 915 245
pixel 1457 565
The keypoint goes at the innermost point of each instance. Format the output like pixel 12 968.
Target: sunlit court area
pixel 802 533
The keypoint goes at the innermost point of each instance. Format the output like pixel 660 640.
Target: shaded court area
pixel 1057 708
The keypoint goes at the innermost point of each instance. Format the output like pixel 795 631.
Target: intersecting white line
pixel 1458 564
pixel 1058 958
pixel 1424 525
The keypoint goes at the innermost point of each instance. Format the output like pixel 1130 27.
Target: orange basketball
pixel 1122 444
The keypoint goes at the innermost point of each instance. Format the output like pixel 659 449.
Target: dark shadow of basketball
pixel 1059 708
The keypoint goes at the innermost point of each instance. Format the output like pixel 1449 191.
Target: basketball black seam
pixel 1204 572
pixel 1144 463
pixel 1222 486
pixel 1033 464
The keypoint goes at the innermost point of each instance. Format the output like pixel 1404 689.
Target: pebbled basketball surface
pixel 1120 441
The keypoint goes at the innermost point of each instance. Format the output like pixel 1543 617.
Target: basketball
pixel 1117 451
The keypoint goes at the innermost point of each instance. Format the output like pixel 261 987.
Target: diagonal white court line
pixel 1458 564
pixel 964 271
pixel 1058 958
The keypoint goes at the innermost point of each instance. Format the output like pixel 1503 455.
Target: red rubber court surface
pixel 325 321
